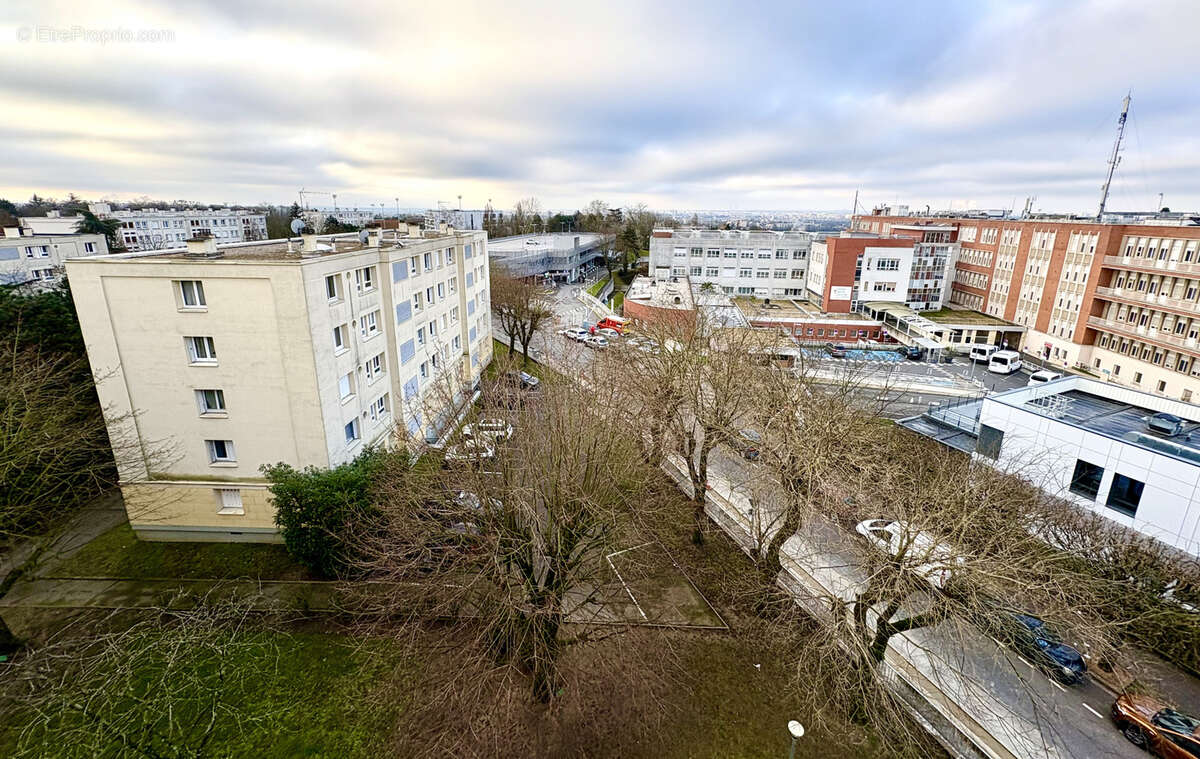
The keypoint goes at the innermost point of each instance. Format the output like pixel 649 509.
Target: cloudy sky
pixel 696 104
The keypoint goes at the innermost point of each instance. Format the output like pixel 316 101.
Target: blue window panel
pixel 467 250
pixel 10 254
pixel 403 311
pixel 414 426
pixel 399 270
pixel 470 307
pixel 472 334
pixel 410 388
pixel 474 360
pixel 408 349
pixel 470 279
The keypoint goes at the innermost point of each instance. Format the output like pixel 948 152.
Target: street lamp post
pixel 797 731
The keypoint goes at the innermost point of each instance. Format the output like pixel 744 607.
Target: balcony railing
pixel 1152 264
pixel 1146 299
pixel 1147 334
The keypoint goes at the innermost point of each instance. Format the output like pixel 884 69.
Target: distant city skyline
pixel 675 105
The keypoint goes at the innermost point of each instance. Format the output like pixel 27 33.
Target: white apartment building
pixel 27 257
pixel 152 229
pixel 359 217
pixel 216 361
pixel 762 264
pixel 1093 443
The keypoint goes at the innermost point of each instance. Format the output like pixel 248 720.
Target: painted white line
pixel 1056 684
pixel 1093 711
pixel 622 579
pixel 1027 664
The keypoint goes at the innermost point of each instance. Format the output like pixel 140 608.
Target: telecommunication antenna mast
pixel 1115 158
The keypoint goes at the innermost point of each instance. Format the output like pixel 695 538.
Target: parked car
pixel 491 428
pixel 1042 377
pixel 983 352
pixel 608 332
pixel 524 380
pixel 836 351
pixel 596 341
pixel 911 352
pixel 1004 362
pixel 1037 641
pixel 1152 725
pixel 749 442
pixel 470 449
pixel 922 553
pixel 574 333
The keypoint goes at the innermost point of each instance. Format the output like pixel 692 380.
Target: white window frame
pixel 214 457
pixel 364 279
pixel 352 432
pixel 218 409
pixel 194 289
pixel 333 282
pixel 346 387
pixel 374 366
pixel 209 352
pixel 369 324
pixel 341 339
pixel 229 501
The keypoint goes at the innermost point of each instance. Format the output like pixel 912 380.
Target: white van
pixel 983 352
pixel 1004 362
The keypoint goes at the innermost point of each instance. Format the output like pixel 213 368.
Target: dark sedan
pixel 1032 637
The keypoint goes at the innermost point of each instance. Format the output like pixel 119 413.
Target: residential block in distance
pixel 29 257
pixel 219 360
pixel 761 264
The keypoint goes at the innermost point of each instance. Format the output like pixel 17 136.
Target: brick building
pixel 1119 300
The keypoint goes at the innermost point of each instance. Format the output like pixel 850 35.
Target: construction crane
pixel 1115 158
pixel 304 203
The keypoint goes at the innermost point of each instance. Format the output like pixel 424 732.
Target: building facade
pixel 213 362
pixel 1090 443
pixel 759 264
pixel 152 229
pixel 554 255
pixel 911 265
pixel 1119 300
pixel 30 258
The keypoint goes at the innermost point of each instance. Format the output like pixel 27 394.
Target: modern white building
pixel 1127 455
pixel 459 218
pixel 762 264
pixel 152 229
pixel 561 256
pixel 217 360
pixel 29 257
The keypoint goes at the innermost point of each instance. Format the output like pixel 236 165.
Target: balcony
pixel 1187 307
pixel 1146 334
pixel 1154 265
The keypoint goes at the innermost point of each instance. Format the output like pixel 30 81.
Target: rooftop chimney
pixel 308 245
pixel 203 247
pixel 414 230
pixel 443 228
pixel 374 235
pixel 12 231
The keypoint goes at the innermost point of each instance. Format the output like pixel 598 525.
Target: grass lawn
pixel 598 286
pixel 308 701
pixel 118 553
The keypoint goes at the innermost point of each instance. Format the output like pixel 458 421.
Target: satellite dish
pixel 298 225
pixel 363 236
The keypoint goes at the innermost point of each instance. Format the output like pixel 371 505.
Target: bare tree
pixel 511 538
pixel 521 308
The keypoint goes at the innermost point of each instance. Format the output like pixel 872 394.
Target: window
pixel 340 338
pixel 1085 481
pixel 374 366
pixel 191 291
pixel 346 385
pixel 764 254
pixel 201 350
pixel 887 264
pixel 364 279
pixel 229 501
pixel 428 260
pixel 1162 386
pixel 798 255
pixel 695 271
pixel 89 247
pixel 416 301
pixel 711 272
pixel 745 273
pixel 762 274
pixel 781 274
pixel 351 430
pixel 450 255
pixel 1125 494
pixel 781 255
pixel 333 287
pixel 370 324
pixel 379 407
pixel 211 401
pixel 990 441
pixel 220 451
pixel 420 335
pixel 424 370
pixel 714 253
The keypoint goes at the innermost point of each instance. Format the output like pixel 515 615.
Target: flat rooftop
pixel 547 241
pixel 964 316
pixel 274 250
pixel 788 308
pixel 661 293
